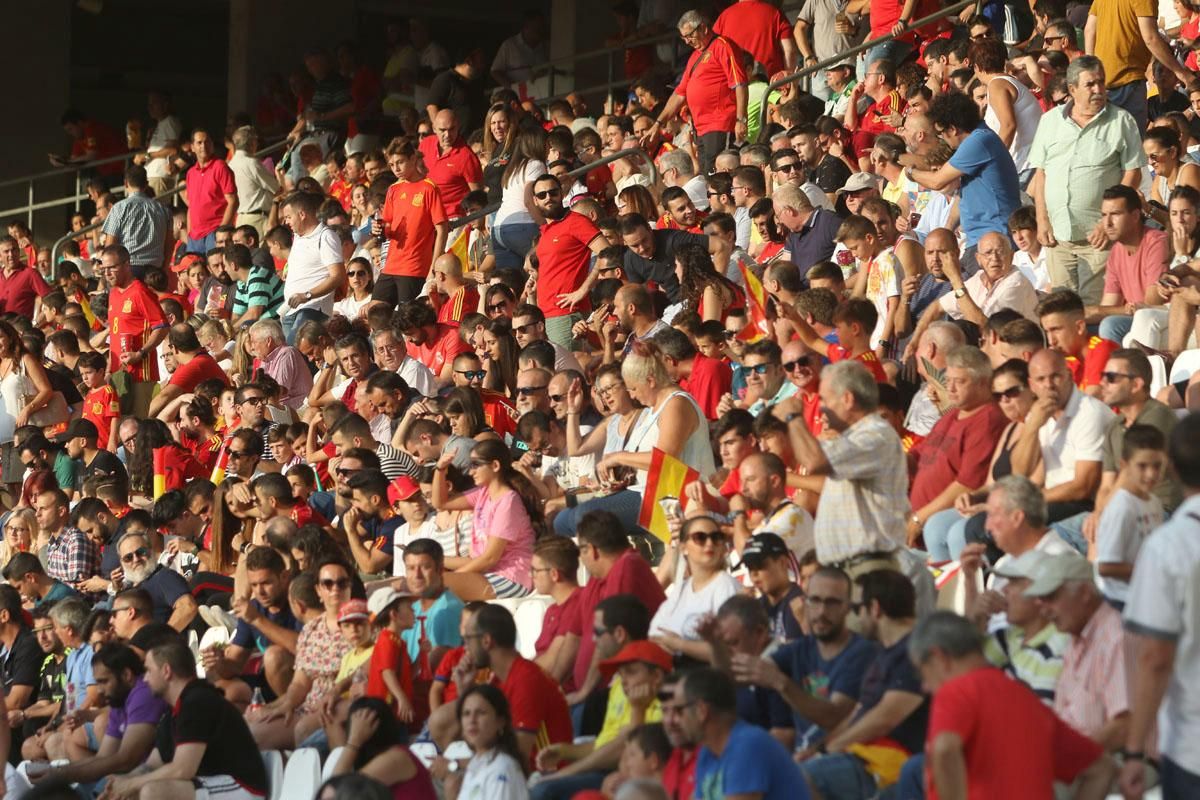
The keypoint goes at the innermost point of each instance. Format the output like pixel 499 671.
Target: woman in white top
pixel 1012 110
pixel 1171 170
pixel 707 586
pixel 362 280
pixel 495 771
pixel 24 387
pixel 518 220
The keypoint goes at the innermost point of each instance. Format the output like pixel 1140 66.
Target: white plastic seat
pixel 273 761
pixel 330 763
pixel 302 775
pixel 1158 374
pixel 1184 366
pixel 528 617
pixel 458 751
pixel 426 751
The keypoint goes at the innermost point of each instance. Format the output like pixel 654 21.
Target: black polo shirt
pixel 202 715
pixel 661 267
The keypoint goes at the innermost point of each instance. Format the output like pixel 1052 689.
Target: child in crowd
pixel 644 756
pixel 710 339
pixel 303 481
pixel 351 682
pixel 101 406
pixel 389 676
pixel 1030 257
pixel 1132 512
pixel 281 449
pixel 880 282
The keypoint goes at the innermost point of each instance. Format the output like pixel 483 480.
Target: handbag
pixel 54 412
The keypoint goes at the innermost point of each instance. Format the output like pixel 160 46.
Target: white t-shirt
pixel 1124 525
pixel 512 204
pixel 1035 271
pixel 684 607
pixel 308 265
pixel 349 307
pixel 493 776
pixel 166 130
pixel 418 376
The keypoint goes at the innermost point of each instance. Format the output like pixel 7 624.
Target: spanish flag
pixel 160 471
pixel 459 245
pixel 757 326
pixel 218 473
pixel 666 478
pixel 81 298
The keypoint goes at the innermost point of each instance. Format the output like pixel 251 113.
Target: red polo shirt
pixel 708 82
pixel 452 171
pixel 410 216
pixel 445 345
pixel 206 190
pixel 758 28
pixel 201 368
pixel 564 258
pixel 133 312
pixel 19 291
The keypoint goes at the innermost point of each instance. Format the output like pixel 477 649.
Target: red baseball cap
pixel 352 610
pixel 645 651
pixel 402 488
pixel 186 262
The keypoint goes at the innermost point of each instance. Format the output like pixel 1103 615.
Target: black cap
pixel 761 546
pixel 79 428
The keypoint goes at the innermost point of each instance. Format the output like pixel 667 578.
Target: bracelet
pixel 1132 755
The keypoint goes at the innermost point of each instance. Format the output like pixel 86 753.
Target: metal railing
pixel 840 58
pixel 56 248
pixel 575 173
pixel 77 169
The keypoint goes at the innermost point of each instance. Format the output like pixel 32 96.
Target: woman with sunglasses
pixel 708 584
pixel 361 276
pixel 287 721
pixel 496 770
pixel 945 532
pixel 1171 169
pixel 19 531
pixel 508 519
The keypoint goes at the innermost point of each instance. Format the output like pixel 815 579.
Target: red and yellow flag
pixel 757 325
pixel 81 298
pixel 160 471
pixel 459 246
pixel 666 478
pixel 218 473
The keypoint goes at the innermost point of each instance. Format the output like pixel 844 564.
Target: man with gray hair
pixel 714 88
pixel 256 185
pixel 975 710
pixel 169 592
pixel 811 232
pixel 931 345
pixel 1079 151
pixel 676 168
pixel 281 362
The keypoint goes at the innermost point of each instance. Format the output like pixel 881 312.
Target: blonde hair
pixel 644 362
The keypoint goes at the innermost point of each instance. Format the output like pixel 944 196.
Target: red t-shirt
pixel 410 216
pixel 341 191
pixel 711 379
pixel 133 312
pixel 452 308
pixel 445 346
pixel 451 171
pixel 105 141
pixel 101 407
pixel 206 190
pixel 871 123
pixel 203 450
pixel 1088 370
pixel 389 653
pixel 708 82
pixel 201 368
pixel 985 708
pixel 630 574
pixel 557 622
pixel 956 450
pixel 564 257
pixel 180 467
pixel 597 181
pixel 538 705
pixel 445 674
pixel 19 292
pixel 836 353
pixel 758 28
pixel 499 413
pixel 679 774
pixel 732 484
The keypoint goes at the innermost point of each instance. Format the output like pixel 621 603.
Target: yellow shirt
pixel 619 713
pixel 352 661
pixel 1119 44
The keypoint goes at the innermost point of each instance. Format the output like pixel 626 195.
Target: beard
pixel 138 575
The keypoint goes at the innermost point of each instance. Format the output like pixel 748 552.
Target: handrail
pixel 458 222
pixel 179 187
pixel 80 167
pixel 853 51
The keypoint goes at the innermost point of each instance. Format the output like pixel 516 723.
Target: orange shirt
pixel 410 216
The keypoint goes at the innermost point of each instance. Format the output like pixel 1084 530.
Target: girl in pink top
pixel 507 520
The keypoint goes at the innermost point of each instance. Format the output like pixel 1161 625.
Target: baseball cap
pixel 860 181
pixel 402 488
pixel 762 546
pixel 352 610
pixel 378 602
pixel 186 262
pixel 79 428
pixel 840 65
pixel 1021 566
pixel 1051 572
pixel 642 650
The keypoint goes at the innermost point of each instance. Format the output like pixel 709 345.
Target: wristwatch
pixel 960 292
pixel 452 766
pixel 308 296
pixel 914 519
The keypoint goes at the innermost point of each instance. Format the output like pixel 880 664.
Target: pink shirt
pixel 206 190
pixel 1128 274
pixel 507 519
pixel 1091 687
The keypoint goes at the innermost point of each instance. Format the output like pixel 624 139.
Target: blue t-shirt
pixel 248 636
pixel 843 674
pixel 990 192
pixel 753 762
pixel 929 290
pixel 165 587
pixel 893 670
pixel 79 672
pixel 439 624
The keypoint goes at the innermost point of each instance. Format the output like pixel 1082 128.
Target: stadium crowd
pixel 834 441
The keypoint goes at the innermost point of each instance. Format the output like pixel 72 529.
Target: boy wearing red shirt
pixel 389 674
pixel 853 321
pixel 1062 317
pixel 101 407
pixel 414 222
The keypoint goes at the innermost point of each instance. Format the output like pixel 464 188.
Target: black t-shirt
pixel 61 380
pixel 204 716
pixel 892 670
pixel 104 463
pixel 165 587
pixel 661 268
pixel 22 665
pixel 50 688
pixel 831 174
pixel 151 635
pixel 453 91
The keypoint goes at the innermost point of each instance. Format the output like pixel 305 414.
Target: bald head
pixel 445 126
pixel 941 237
pixel 449 264
pixel 992 239
pixel 1047 360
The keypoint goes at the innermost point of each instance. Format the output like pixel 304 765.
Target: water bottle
pixel 256 701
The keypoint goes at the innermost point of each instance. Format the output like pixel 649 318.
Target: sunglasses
pixel 525 391
pixel 1011 393
pixel 329 584
pixel 548 193
pixel 258 401
pixel 531 325
pixel 731 334
pixel 759 369
pixel 358 273
pixel 472 374
pixel 497 307
pixel 1113 377
pixel 345 471
pixel 237 454
pixel 476 463
pixel 141 554
pixel 702 537
pixel 800 364
pixel 789 167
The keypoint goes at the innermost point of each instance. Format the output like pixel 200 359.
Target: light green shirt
pixel 1080 163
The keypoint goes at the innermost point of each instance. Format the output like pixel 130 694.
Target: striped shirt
pixel 262 288
pixel 141 224
pixel 394 463
pixel 1037 663
pixel 1092 688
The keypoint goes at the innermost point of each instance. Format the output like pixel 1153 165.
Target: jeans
pixel 511 242
pixel 552 788
pixel 625 504
pixel 911 785
pixel 1071 529
pixel 945 535
pixel 893 51
pixel 840 775
pixel 1177 782
pixel 1132 98
pixel 1115 328
pixel 292 323
pixel 203 244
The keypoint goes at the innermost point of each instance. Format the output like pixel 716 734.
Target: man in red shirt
pixel 564 254
pixel 451 164
pixel 714 87
pixel 414 222
pixel 1063 318
pixel 197 432
pixel 555 569
pixel 452 296
pixel 433 343
pixel 887 105
pixel 136 326
pixel 970 747
pixel 22 286
pixel 195 366
pixel 211 195
pixel 762 31
pixel 91 140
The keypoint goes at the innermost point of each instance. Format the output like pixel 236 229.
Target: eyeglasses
pixel 605 390
pixel 759 369
pixel 548 193
pixel 116 610
pixel 16 529
pixel 257 401
pixel 525 391
pixel 702 537
pixel 713 194
pixel 141 554
pixel 1155 157
pixel 731 334
pixel 800 364
pixel 476 463
pixel 789 167
pixel 1011 393
pixel 536 570
pixel 329 584
pixel 472 374
pixel 1113 377
pixel 358 273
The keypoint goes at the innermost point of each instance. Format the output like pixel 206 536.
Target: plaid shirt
pixel 72 556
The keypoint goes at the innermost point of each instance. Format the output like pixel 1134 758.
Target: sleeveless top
pixel 697 450
pixel 614 442
pixel 11 402
pixel 1028 113
pixel 1003 466
pixel 419 786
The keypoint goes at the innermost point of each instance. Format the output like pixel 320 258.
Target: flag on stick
pixel 666 478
